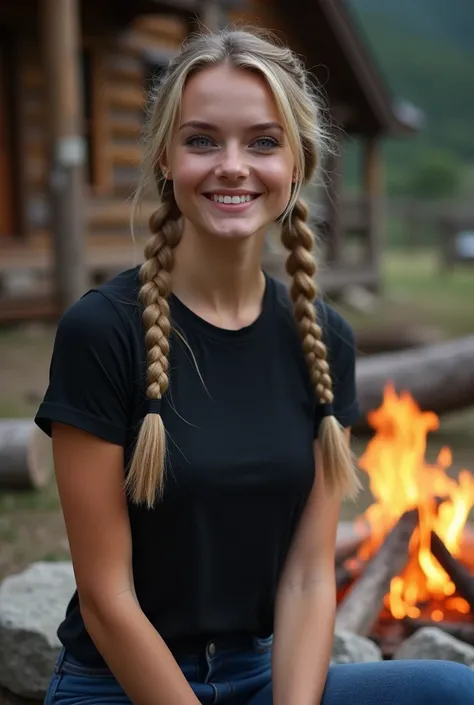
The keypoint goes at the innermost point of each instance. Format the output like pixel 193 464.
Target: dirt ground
pixel 31 525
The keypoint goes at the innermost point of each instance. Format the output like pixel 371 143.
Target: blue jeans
pixel 241 675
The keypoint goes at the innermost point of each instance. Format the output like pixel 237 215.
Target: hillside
pixel 425 51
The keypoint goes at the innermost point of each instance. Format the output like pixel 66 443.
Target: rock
pixel 434 643
pixel 32 604
pixel 352 648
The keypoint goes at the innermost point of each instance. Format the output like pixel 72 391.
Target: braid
pixel 298 238
pixel 146 475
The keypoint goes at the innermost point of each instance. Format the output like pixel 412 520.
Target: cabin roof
pixel 328 35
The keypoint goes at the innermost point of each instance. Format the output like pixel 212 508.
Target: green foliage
pixel 425 52
pixel 436 175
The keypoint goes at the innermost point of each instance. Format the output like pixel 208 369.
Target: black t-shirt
pixel 240 417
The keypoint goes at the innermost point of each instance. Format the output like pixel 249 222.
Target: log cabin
pixel 74 79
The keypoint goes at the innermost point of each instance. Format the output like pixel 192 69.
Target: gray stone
pixel 352 648
pixel 434 643
pixel 32 604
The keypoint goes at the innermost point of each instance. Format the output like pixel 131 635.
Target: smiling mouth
pixel 230 200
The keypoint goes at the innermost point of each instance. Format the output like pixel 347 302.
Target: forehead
pixel 229 95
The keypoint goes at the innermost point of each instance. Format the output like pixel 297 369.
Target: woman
pixel 186 377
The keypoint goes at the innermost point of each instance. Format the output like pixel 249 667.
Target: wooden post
pixel 372 182
pixel 211 14
pixel 334 217
pixel 61 38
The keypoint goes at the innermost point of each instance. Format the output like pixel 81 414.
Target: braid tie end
pixel 153 406
pixel 328 409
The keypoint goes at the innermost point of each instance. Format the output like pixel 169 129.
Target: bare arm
pixel 306 601
pixel 89 473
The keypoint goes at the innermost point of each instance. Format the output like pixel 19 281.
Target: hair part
pixel 300 112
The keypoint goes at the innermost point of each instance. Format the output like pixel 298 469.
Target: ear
pixel 164 167
pixel 294 177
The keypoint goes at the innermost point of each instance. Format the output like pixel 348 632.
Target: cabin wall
pixel 266 14
pixel 116 77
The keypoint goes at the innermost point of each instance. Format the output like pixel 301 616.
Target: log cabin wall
pixel 116 76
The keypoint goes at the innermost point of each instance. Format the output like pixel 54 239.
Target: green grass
pixel 416 291
pixel 46 499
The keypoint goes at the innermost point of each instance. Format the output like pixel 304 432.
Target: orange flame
pixel 401 479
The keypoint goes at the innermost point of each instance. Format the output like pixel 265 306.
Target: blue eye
pixel 265 143
pixel 199 141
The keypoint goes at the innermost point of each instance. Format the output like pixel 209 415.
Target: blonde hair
pixel 286 77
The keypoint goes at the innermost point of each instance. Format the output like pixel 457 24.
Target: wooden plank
pixel 161 24
pixel 125 129
pixel 125 154
pixel 130 98
pixel 123 74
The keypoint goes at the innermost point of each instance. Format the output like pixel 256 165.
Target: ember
pixel 401 480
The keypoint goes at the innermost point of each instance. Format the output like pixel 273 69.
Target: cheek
pixel 277 175
pixel 186 179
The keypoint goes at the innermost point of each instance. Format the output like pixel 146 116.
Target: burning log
pixel 345 575
pixel 349 539
pixel 461 577
pixel 348 548
pixel 440 377
pixel 459 630
pixel 361 607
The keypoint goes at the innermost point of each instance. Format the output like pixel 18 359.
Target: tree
pixel 437 174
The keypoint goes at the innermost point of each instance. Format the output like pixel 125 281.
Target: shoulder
pixel 338 334
pixel 103 314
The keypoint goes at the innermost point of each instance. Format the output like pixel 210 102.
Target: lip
pixel 231 192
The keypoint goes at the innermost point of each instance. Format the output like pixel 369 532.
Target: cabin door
pixel 7 210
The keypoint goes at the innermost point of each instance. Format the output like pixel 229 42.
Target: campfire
pixel 411 561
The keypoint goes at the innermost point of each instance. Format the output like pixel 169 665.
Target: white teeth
pixel 219 198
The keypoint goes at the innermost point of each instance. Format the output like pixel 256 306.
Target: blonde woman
pixel 200 419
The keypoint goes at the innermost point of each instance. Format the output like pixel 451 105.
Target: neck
pixel 221 280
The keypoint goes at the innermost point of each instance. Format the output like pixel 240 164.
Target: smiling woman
pixel 230 159
pixel 205 568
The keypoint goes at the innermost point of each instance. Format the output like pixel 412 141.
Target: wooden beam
pixel 60 26
pixel 100 126
pixel 335 239
pixel 372 187
pixel 211 14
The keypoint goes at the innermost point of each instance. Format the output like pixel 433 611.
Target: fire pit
pixel 410 563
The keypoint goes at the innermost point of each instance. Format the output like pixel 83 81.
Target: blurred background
pixel 394 209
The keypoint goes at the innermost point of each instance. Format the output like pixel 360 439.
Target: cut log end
pixel 25 455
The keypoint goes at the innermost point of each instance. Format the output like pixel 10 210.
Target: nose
pixel 232 164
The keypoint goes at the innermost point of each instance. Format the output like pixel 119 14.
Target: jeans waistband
pixel 215 644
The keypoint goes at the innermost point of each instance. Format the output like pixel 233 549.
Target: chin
pixel 234 231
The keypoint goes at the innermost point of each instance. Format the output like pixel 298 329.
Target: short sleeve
pixel 340 342
pixel 90 371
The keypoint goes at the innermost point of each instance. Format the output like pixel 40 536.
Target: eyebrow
pixel 197 124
